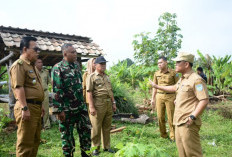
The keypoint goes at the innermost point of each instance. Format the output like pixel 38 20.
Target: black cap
pixel 100 59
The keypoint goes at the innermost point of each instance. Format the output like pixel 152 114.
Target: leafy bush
pixel 125 103
pixel 137 148
pixel 140 150
pixel 218 71
pixel 3 119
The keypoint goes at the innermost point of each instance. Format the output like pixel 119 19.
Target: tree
pixel 206 63
pixel 128 61
pixel 166 41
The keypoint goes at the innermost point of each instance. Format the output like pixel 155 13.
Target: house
pixel 49 43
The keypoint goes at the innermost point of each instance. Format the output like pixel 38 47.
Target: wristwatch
pixel 192 117
pixel 25 108
pixel 114 102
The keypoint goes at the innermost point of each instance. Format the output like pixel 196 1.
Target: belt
pixel 45 89
pixel 102 97
pixel 166 93
pixel 31 101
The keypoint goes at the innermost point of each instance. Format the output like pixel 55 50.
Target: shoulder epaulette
pixel 91 75
pixel 20 61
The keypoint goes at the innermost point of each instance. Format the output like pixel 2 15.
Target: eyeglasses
pixel 36 49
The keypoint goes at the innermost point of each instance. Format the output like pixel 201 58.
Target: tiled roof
pixel 49 42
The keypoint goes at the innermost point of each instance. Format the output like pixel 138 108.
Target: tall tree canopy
pixel 166 41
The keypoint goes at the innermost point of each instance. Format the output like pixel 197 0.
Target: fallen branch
pixel 220 96
pixel 125 115
pixel 11 54
pixel 143 119
pixel 3 73
pixel 5 100
pixel 117 130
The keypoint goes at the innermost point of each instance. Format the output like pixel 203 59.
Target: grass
pixel 216 138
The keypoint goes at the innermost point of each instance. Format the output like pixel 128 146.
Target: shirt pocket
pixel 159 79
pixel 99 83
pixel 45 79
pixel 170 79
pixel 186 91
pixel 32 81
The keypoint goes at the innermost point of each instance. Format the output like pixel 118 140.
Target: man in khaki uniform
pixel 28 91
pixel 44 74
pixel 164 100
pixel 191 99
pixel 101 106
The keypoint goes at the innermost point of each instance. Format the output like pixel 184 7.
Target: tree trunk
pixel 11 95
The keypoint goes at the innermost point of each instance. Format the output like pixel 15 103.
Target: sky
pixel 205 24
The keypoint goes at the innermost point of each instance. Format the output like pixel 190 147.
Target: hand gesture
pixel 43 111
pixel 189 122
pixel 114 107
pixel 92 111
pixel 152 84
pixel 26 115
pixel 153 103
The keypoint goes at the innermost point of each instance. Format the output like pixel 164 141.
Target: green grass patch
pixel 216 139
pixel 5 107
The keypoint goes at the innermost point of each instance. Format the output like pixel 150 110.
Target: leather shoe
pixel 109 150
pixel 96 152
pixel 172 140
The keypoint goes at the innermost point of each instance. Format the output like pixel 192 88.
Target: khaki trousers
pixel 101 123
pixel 165 101
pixel 188 140
pixel 46 121
pixel 28 132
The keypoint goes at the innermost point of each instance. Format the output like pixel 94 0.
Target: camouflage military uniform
pixel 68 97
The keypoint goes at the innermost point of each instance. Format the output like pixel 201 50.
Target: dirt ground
pixel 224 108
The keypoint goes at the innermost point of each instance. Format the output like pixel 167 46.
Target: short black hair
pixel 200 69
pixel 25 42
pixel 191 64
pixel 164 58
pixel 65 46
pixel 40 58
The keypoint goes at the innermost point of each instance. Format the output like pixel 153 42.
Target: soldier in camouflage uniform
pixel 68 102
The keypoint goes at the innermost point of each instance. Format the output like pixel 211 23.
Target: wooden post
pixel 12 100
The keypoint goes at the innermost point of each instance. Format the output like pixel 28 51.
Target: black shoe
pixel 96 152
pixel 172 140
pixel 109 150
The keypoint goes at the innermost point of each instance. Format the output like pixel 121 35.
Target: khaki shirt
pixel 23 74
pixel 44 74
pixel 191 88
pixel 165 79
pixel 99 85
